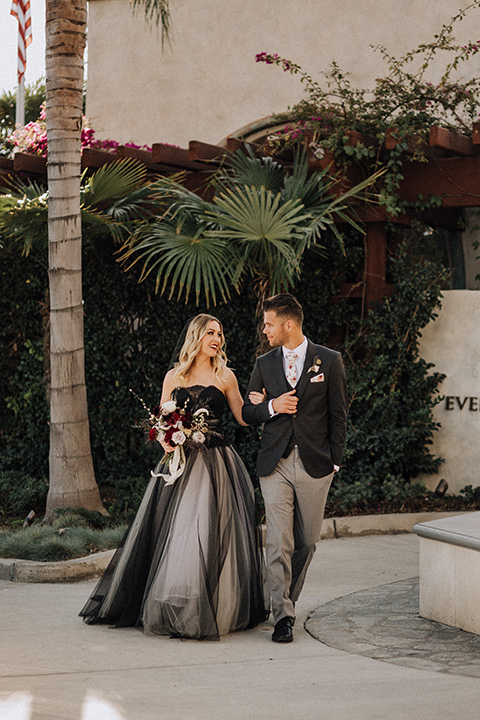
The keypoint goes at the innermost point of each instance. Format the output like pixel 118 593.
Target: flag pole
pixel 20 106
pixel 21 11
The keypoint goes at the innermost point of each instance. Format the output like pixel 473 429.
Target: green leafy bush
pixel 21 492
pixel 49 543
pixel 129 336
pixel 393 391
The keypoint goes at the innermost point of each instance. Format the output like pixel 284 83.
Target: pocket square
pixel 318 378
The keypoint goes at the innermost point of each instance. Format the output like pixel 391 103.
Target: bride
pixel 190 564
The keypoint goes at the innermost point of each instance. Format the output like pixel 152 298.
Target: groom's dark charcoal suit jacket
pixel 320 422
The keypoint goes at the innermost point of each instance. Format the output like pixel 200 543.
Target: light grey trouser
pixel 294 507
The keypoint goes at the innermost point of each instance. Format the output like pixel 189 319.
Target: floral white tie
pixel 291 367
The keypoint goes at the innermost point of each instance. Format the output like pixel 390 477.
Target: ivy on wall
pixel 129 336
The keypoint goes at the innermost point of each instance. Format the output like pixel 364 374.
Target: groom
pixel 305 420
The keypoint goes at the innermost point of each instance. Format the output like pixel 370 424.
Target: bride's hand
pixel 256 398
pixel 168 448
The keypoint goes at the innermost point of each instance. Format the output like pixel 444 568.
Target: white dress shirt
pixel 301 351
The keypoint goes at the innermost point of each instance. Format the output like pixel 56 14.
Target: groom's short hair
pixel 286 306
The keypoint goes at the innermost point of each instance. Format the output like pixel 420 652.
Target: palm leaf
pixel 243 168
pixel 159 10
pixel 169 194
pixel 114 180
pixel 184 258
pixel 263 229
pixel 24 213
pixel 248 214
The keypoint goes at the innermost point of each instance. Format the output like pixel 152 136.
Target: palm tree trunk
pixel 72 479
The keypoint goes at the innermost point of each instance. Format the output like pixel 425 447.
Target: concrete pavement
pixel 54 667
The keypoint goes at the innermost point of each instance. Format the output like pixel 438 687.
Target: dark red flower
pixel 168 435
pixel 152 434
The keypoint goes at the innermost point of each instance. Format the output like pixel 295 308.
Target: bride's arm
pixel 168 387
pixel 232 393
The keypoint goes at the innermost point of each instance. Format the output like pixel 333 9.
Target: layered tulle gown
pixel 190 564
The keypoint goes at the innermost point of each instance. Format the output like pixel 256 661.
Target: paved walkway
pixel 383 623
pixel 359 600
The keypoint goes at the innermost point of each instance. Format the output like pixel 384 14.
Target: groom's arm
pixel 255 414
pixel 337 410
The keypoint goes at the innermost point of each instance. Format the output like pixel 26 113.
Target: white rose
pixel 198 437
pixel 169 406
pixel 178 437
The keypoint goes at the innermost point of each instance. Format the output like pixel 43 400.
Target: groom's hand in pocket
pixel 286 403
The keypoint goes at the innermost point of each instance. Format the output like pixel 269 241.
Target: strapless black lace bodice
pixel 201 396
pixel 194 397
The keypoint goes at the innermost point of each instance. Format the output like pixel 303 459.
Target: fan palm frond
pixel 184 258
pixel 24 213
pixel 264 229
pixel 114 180
pixel 159 10
pixel 244 168
pixel 173 200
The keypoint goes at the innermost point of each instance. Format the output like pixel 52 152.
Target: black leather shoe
pixel 283 632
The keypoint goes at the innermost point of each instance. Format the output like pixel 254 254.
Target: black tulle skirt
pixel 191 563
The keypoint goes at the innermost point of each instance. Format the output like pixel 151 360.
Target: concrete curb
pixel 388 524
pixel 55 572
pixel 92 566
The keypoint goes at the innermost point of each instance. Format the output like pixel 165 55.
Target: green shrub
pixel 129 336
pixel 20 493
pixel 46 543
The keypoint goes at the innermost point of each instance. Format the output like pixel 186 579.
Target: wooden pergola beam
pixel 234 144
pixel 35 164
pixel 204 152
pixel 144 157
pixel 174 157
pixel 455 180
pixel 94 158
pixel 6 164
pixel 355 137
pixel 415 144
pixel 451 141
pixel 476 133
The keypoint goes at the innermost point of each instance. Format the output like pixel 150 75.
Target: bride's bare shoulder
pixel 229 379
pixel 168 385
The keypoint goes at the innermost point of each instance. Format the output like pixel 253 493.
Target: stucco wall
pixel 471 249
pixel 452 343
pixel 207 84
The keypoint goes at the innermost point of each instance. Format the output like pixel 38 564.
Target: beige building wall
pixel 452 343
pixel 206 84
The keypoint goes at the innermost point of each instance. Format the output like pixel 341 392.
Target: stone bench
pixel 450 570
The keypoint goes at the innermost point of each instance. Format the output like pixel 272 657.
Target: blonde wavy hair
pixel 191 347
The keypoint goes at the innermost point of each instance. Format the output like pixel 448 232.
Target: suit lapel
pixel 303 382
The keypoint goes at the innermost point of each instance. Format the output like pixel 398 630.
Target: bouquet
pixel 177 427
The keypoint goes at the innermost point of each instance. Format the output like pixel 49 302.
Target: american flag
pixel 21 10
